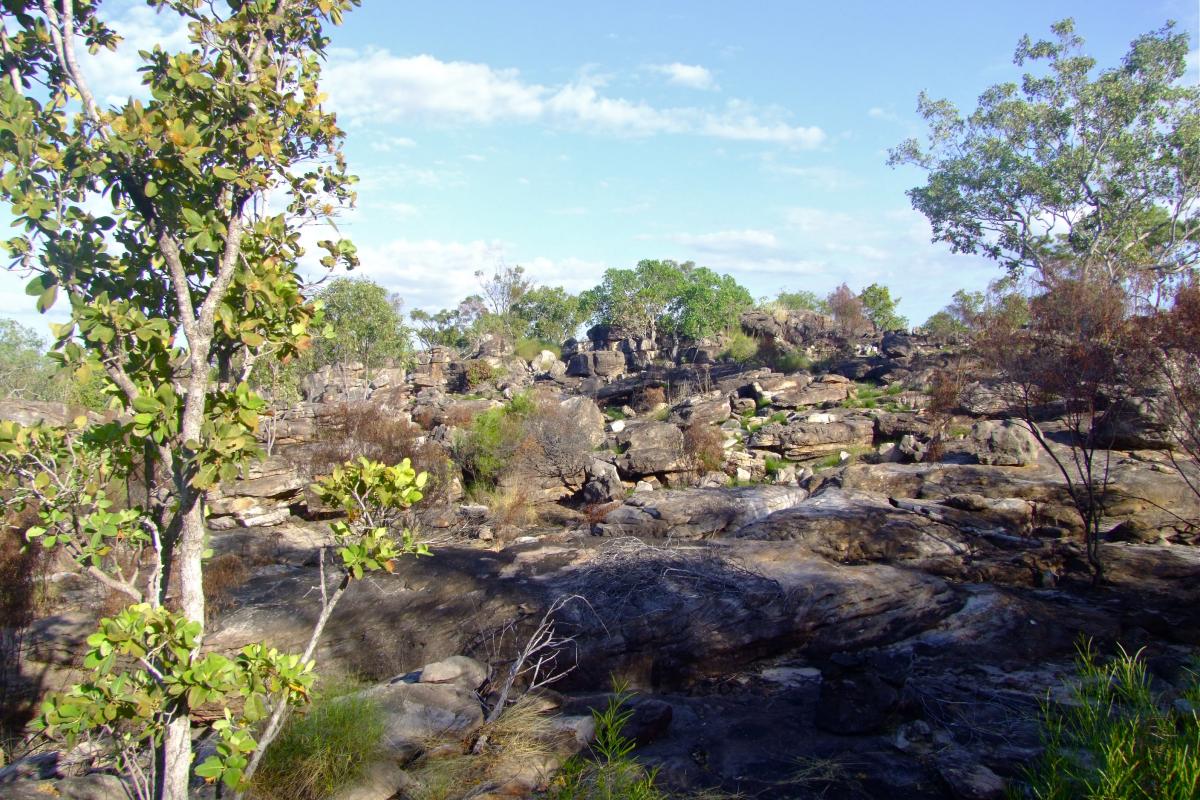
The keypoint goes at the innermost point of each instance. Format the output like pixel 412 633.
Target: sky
pixel 570 138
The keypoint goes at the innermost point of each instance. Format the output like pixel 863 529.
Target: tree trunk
pixel 177 760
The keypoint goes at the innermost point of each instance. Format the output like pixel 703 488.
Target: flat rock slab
pixel 696 513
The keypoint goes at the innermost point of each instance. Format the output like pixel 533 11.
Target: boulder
pixel 706 409
pixel 464 672
pixel 415 713
pixel 585 414
pixel 650 447
pixel 850 526
pixel 826 389
pixel 1137 423
pixel 1004 443
pixel 799 441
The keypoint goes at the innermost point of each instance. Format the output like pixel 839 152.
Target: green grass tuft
pixel 321 750
pixel 1116 739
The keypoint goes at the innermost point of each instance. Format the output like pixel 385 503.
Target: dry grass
pixel 509 506
pixel 649 398
pixel 222 575
pixel 520 738
pixel 704 446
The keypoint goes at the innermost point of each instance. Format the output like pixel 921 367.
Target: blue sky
pixel 570 137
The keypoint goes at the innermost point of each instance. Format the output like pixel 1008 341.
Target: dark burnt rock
pixel 856 705
pixel 649 722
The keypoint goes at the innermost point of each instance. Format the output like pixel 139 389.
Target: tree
pixel 188 274
pixel 667 297
pixel 1071 355
pixel 880 308
pixel 24 369
pixel 550 313
pixel 801 301
pixel 847 310
pixel 1099 168
pixel 365 324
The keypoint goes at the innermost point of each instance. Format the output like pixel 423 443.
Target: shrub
pixel 741 348
pixel 322 750
pixel 614 775
pixel 791 361
pixel 477 372
pixel 704 446
pixel 1117 739
pixel 649 398
pixel 529 349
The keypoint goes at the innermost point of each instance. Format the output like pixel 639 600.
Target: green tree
pixel 25 371
pixel 880 308
pixel 801 301
pixel 667 297
pixel 189 273
pixel 364 323
pixel 1094 167
pixel 550 313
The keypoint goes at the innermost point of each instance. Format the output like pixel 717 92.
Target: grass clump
pixel 792 361
pixel 864 395
pixel 613 774
pixel 1116 739
pixel 321 750
pixel 529 349
pixel 614 413
pixel 741 348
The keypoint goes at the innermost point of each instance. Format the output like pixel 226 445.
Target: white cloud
pixel 875 112
pixel 378 87
pixel 828 178
pixel 387 144
pixel 114 75
pixel 727 241
pixel 433 274
pixel 693 76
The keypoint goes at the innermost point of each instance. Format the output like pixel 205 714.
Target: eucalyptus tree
pixel 170 225
pixel 1097 168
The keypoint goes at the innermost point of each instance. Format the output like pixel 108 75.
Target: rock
pixel 603 483
pixel 649 720
pixel 28 413
pixel 464 672
pixel 587 416
pixel 617 425
pixel 826 389
pixel 96 786
pixel 855 705
pixel 800 441
pixel 911 447
pixel 696 513
pixel 1005 443
pixel 381 780
pixel 1137 422
pixel 704 409
pixel 850 526
pixel 650 448
pixel 546 362
pixel 966 778
pixel 643 487
pixel 415 713
pixel 897 345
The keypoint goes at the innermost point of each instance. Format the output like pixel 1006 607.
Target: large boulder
pixel 711 408
pixel 802 440
pixel 824 390
pixel 649 448
pixel 1137 422
pixel 696 513
pixel 417 713
pixel 585 414
pixel 1004 443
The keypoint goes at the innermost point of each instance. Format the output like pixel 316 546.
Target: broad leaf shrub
pixel 1116 739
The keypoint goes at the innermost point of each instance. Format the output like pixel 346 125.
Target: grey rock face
pixel 1004 443
pixel 697 513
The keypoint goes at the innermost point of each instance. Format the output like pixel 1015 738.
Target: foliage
pixel 1116 739
pixel 26 371
pixel 363 323
pixel 323 749
pixel 801 301
pixel 663 296
pixel 704 445
pixel 791 361
pixel 501 294
pixel 550 314
pixel 133 706
pixel 152 220
pixel 1072 353
pixel 1074 164
pixel 477 372
pixel 880 308
pixel 740 347
pixel 529 349
pixel 485 449
pixel 848 311
pixel 614 775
